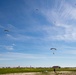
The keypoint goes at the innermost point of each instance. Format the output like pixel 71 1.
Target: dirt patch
pixel 42 73
pixel 20 74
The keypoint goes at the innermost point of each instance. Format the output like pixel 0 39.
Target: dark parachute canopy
pixel 53 49
pixel 6 30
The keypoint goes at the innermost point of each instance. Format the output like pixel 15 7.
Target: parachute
pixel 53 49
pixel 6 30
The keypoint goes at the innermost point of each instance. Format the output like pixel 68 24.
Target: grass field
pixel 21 70
pixel 37 71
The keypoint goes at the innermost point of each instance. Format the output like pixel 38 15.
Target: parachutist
pixel 37 9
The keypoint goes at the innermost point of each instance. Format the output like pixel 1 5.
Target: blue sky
pixel 34 27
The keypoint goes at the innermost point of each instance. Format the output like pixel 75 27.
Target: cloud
pixel 18 37
pixel 14 56
pixel 9 48
pixel 10 27
pixel 62 17
pixel 71 52
pixel 13 44
pixel 68 35
pixel 18 56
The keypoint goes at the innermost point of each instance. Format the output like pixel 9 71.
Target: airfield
pixel 37 71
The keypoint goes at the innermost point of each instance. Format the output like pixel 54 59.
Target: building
pixel 56 67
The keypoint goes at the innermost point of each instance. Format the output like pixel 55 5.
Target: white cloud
pixel 13 44
pixel 19 37
pixel 10 36
pixel 17 56
pixel 62 17
pixel 72 52
pixel 13 56
pixel 9 47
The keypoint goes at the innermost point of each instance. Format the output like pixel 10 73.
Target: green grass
pixel 21 70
